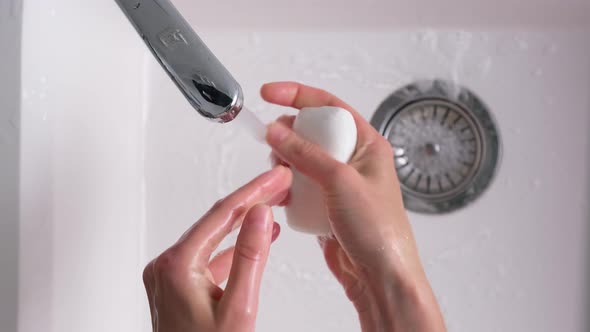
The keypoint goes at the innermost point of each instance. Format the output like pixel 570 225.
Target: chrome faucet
pixel 200 76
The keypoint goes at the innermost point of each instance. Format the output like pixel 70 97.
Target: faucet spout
pixel 203 80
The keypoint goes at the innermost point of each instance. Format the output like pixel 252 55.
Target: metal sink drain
pixel 445 142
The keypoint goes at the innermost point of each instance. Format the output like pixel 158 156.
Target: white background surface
pixel 115 165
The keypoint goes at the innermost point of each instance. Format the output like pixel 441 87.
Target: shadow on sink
pixel 10 32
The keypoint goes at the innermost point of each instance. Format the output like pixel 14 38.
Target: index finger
pixel 199 242
pixel 297 95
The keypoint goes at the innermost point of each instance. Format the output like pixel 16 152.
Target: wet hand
pixel 182 283
pixel 372 252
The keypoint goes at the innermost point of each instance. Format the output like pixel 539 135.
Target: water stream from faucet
pixel 250 122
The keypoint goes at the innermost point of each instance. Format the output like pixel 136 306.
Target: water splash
pixel 255 39
pixel 463 44
pixel 523 45
pixel 428 38
pixel 502 271
pixel 517 131
pixel 485 66
pixel 550 49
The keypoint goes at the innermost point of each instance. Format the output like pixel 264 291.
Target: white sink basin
pixel 114 164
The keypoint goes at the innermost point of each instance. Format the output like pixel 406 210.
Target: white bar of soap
pixel 333 129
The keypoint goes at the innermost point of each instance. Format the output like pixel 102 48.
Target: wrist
pixel 401 299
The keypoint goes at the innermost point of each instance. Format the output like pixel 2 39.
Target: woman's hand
pixel 182 283
pixel 373 253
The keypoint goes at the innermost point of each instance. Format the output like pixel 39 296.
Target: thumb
pixel 306 156
pixel 239 303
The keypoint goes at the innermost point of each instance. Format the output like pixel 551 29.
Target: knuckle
pixel 164 263
pixel 303 148
pixel 148 273
pixel 218 204
pixel 250 253
pixel 383 147
pixel 168 266
pixel 231 202
pixel 355 291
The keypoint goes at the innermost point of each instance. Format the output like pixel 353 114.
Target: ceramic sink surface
pixel 104 164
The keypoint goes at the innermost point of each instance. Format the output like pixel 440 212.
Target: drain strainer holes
pixel 446 146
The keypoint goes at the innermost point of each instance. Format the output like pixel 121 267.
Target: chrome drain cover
pixel 446 146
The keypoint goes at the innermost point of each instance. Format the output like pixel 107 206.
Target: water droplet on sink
pixel 509 184
pixel 329 75
pixel 550 49
pixel 417 37
pixel 255 39
pixel 494 292
pixel 429 38
pixel 486 65
pixel 284 268
pixel 538 72
pixel 502 271
pixel 344 68
pixel 485 234
pixel 516 131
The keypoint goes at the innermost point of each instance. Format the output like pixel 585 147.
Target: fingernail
pixel 276 133
pixel 276 230
pixel 271 173
pixel 259 217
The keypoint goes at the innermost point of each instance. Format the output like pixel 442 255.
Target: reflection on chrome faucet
pixel 200 76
